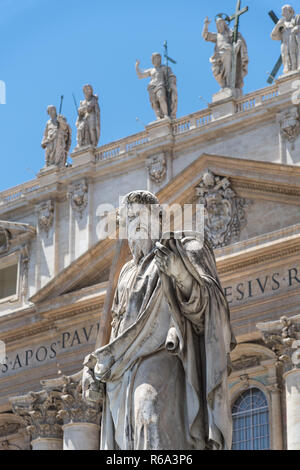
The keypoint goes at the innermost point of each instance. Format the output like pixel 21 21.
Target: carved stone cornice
pixel 39 412
pixel 245 362
pixel 260 255
pixel 283 338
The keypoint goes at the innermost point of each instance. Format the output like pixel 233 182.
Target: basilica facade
pixel 240 158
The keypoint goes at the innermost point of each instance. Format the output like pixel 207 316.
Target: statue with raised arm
pixel 57 138
pixel 287 30
pixel 164 373
pixel 88 120
pixel 230 59
pixel 162 87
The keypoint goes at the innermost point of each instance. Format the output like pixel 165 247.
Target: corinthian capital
pixel 283 337
pixel 39 412
pixel 73 408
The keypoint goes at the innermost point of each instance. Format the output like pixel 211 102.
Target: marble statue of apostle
pixel 287 30
pixel 164 372
pixel 57 138
pixel 221 61
pixel 88 120
pixel 162 87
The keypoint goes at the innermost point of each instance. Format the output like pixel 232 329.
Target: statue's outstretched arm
pixel 142 73
pixel 207 36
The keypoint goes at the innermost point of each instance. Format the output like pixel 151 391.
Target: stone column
pixel 283 336
pixel 80 417
pixel 292 390
pixel 39 412
pixel 276 414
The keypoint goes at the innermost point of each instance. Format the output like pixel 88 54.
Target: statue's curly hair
pixel 140 197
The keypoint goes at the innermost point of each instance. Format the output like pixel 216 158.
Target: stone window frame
pixel 5 262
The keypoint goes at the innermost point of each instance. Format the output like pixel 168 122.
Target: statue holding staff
pixel 57 138
pixel 162 87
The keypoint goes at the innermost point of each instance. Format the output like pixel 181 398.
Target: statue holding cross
pixel 287 30
pixel 230 59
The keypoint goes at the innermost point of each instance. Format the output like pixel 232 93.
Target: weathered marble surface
pixel 162 87
pixel 88 120
pixel 287 30
pixel 56 139
pixel 168 309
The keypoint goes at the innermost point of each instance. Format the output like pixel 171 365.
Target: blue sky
pixel 50 48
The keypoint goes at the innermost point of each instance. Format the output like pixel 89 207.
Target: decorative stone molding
pixel 283 337
pixel 224 211
pixel 78 195
pixel 244 378
pixel 13 235
pixel 4 240
pixel 245 362
pixel 45 215
pixel 39 412
pixel 157 167
pixel 289 122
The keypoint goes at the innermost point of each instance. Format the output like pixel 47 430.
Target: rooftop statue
pixel 230 59
pixel 88 120
pixel 162 87
pixel 287 30
pixel 164 373
pixel 57 138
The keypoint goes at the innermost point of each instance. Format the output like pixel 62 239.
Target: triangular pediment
pixel 14 234
pixel 264 184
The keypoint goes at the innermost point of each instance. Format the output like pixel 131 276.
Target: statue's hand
pixel 168 262
pixel 137 63
pixel 207 21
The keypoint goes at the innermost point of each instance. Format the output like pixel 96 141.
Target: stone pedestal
pixel 292 387
pixel 81 436
pixel 223 108
pixel 47 443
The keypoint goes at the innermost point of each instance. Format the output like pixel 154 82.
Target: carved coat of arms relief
pixel 223 209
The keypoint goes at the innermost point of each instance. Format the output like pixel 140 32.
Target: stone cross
pixel 168 91
pixel 236 18
pixel 278 64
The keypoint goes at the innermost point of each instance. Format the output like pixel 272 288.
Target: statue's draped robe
pixel 222 59
pixel 156 399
